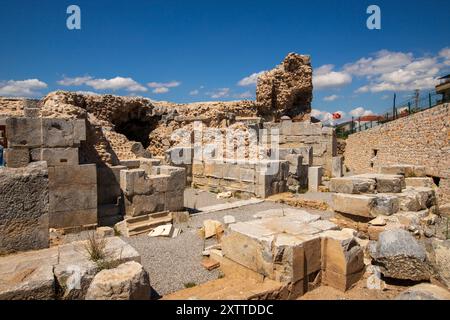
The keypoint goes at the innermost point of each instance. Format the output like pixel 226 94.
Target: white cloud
pixel 21 88
pixel 250 80
pixel 219 93
pixel 117 83
pixel 331 98
pixel 360 112
pixel 383 62
pixel 163 87
pixel 325 77
pixel 327 117
pixel 194 92
pixel 244 95
pixel 445 53
pixel 171 84
pixel 397 71
pixel 160 90
pixel 77 81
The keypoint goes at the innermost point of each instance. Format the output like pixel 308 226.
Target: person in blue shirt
pixel 1 155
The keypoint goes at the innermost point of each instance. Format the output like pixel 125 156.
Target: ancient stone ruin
pixel 109 197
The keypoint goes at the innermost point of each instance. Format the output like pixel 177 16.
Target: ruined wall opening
pixel 436 180
pixel 136 125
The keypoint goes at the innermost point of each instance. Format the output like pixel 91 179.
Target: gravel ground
pixel 173 263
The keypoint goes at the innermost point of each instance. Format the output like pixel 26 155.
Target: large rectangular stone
pixel 59 133
pixel 314 178
pixel 337 167
pixel 17 157
pixel 419 182
pixel 359 205
pixel 76 175
pixel 24 132
pixel 406 170
pixel 385 183
pixel 352 185
pixel 24 208
pixel 56 156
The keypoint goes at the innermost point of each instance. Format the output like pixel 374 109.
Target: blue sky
pixel 185 51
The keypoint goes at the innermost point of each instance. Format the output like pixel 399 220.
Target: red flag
pixel 336 115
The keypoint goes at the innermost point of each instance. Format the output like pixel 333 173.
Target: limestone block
pixel 104 232
pixel 419 182
pixel 359 205
pixel 337 167
pixel 314 178
pixel 77 175
pixel 56 156
pixel 58 133
pixel 31 112
pixel 129 281
pixel 177 177
pixel 79 131
pixel 342 259
pixel 129 180
pixel 400 256
pixel 386 183
pixel 352 185
pixel 295 163
pixel 131 163
pixel 424 291
pixel 24 132
pixel 385 205
pixel 231 171
pixel 175 200
pixel 198 169
pixel 285 128
pixel 108 184
pixel 17 157
pixel 24 208
pixel 247 175
pixel 406 170
pixel 144 204
pixel 306 153
pixel 416 199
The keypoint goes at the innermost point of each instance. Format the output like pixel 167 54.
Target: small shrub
pixel 190 285
pixel 95 247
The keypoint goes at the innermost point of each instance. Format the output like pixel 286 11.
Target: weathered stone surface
pixel 424 291
pixel 129 281
pixel 403 169
pixel 441 260
pixel 385 205
pixel 419 182
pixel 56 156
pixel 24 208
pixel 399 255
pixel 287 89
pixel 17 157
pixel 105 232
pixel 386 183
pixel 24 132
pixel 72 195
pixel 314 178
pixel 337 167
pixel 416 199
pixel 360 205
pixel 352 185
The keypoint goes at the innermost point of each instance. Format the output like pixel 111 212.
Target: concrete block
pixel 314 178
pixel 17 157
pixel 337 167
pixel 24 132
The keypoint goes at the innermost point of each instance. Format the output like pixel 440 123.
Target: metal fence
pixel 405 108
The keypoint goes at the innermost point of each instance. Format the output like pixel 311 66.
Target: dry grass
pixel 96 249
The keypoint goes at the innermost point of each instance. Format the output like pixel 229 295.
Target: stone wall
pixel 307 134
pixel 24 208
pixel 260 178
pixel 420 139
